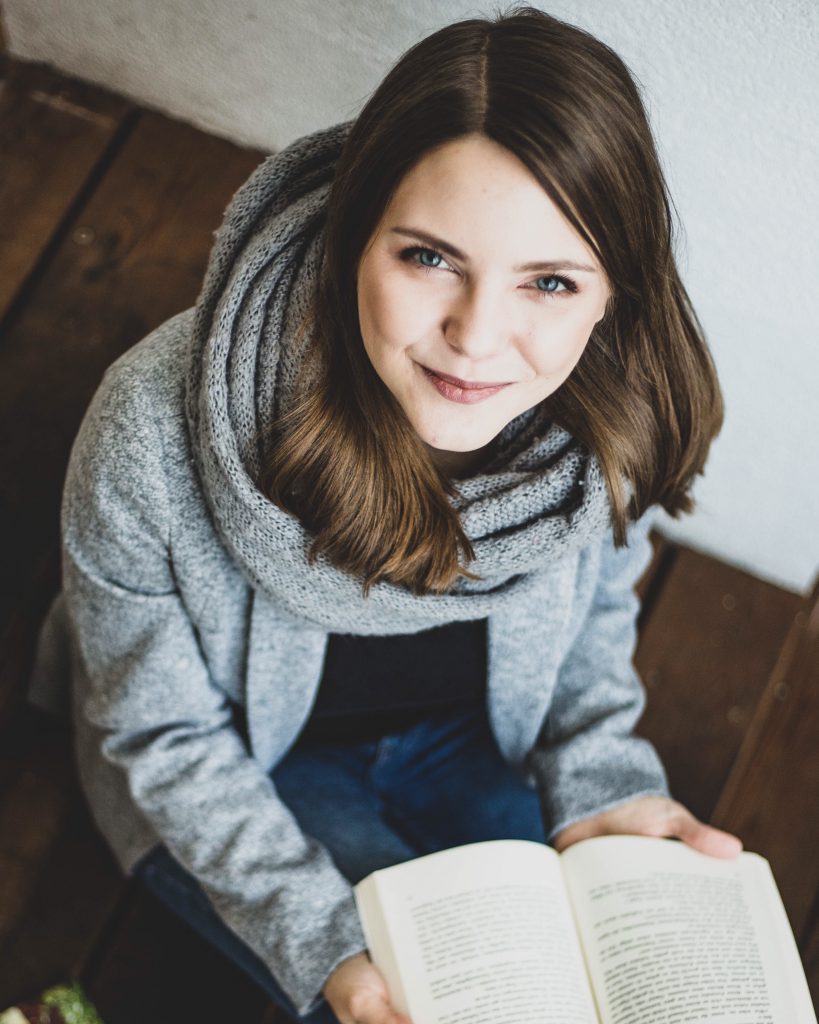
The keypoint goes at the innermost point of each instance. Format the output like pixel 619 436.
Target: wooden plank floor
pixel 106 220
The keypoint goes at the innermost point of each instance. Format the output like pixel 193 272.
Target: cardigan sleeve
pixel 140 678
pixel 586 759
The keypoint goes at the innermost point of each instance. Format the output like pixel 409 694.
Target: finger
pixel 371 1008
pixel 707 839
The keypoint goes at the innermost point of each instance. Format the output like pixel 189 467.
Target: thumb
pixel 707 839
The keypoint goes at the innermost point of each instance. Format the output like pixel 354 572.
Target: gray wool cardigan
pixel 156 631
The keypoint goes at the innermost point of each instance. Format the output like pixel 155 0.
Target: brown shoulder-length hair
pixel 644 395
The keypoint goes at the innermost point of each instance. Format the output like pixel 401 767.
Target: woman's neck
pixel 459 465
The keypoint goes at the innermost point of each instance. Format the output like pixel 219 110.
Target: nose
pixel 474 324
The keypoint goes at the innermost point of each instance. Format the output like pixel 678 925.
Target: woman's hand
pixel 357 993
pixel 652 816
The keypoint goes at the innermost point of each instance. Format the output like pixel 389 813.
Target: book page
pixel 480 934
pixel 671 935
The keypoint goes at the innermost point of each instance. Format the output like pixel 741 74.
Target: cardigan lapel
pixel 284 663
pixel 525 646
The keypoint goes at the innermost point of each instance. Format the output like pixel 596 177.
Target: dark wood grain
pixel 705 654
pixel 154 968
pixel 648 587
pixel 54 135
pixel 71 893
pixel 17 644
pixel 35 792
pixel 58 882
pixel 771 799
pixel 134 255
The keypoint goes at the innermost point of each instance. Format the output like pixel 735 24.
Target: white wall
pixel 732 92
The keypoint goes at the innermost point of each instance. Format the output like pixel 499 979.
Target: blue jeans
pixel 439 784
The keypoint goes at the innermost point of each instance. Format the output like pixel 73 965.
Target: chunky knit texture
pixel 542 496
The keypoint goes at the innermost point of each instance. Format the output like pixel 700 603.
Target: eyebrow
pixel 448 249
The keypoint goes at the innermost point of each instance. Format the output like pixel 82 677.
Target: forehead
pixel 474 192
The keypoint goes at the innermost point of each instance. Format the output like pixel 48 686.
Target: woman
pixel 349 548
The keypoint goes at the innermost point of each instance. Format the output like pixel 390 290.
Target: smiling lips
pixel 463 391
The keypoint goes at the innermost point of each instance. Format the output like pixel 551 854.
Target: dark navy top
pixel 375 685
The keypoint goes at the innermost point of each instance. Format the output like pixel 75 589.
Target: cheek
pixel 557 345
pixel 379 313
pixel 368 304
pixel 392 311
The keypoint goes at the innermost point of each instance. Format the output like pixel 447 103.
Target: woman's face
pixel 474 277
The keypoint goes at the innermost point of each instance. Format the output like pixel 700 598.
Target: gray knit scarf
pixel 541 497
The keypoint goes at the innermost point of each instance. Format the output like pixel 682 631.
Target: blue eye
pixel 417 250
pixel 430 253
pixel 429 259
pixel 569 286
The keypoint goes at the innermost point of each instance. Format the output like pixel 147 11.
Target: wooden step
pixel 153 967
pixel 59 881
pixel 55 134
pixel 129 256
pixel 707 648
pixel 771 798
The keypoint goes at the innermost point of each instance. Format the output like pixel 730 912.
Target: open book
pixel 615 930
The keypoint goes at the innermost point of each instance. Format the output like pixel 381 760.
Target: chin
pixel 462 449
pixel 443 437
pixel 457 443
